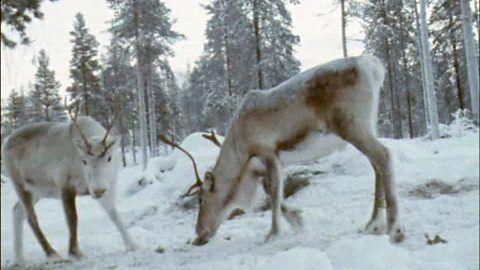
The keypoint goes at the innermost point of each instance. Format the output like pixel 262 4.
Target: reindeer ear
pixel 209 182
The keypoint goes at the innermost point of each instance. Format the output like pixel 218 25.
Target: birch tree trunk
pixel 420 51
pixel 428 72
pixel 470 54
pixel 344 31
pixel 141 92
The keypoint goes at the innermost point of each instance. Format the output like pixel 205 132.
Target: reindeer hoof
pixel 55 257
pixel 76 253
pixel 294 218
pixel 397 234
pixel 272 235
pixel 375 226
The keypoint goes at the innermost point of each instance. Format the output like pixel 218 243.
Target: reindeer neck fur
pixel 231 160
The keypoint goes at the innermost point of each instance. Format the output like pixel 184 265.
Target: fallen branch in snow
pixel 211 137
pixel 436 240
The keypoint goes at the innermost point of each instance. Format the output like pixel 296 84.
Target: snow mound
pixel 195 143
pixel 368 252
pixel 158 165
pixel 298 258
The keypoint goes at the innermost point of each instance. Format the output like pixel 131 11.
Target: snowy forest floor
pixel 438 187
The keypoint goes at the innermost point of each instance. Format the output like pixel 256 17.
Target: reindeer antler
pixel 211 137
pixel 198 181
pixel 74 121
pixel 116 109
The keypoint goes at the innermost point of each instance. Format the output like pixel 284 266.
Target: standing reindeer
pixel 339 98
pixel 62 160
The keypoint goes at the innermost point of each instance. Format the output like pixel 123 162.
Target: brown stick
pixel 198 182
pixel 74 121
pixel 211 137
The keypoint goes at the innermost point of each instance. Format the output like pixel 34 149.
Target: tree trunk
pixel 420 50
pixel 428 71
pixel 344 27
pixel 141 91
pixel 47 114
pixel 122 140
pixel 228 61
pixel 258 51
pixel 134 142
pixel 394 101
pixel 407 90
pixel 477 13
pixel 456 68
pixel 470 55
pixel 152 119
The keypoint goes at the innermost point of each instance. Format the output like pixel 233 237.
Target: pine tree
pixel 448 55
pixel 274 42
pixel 15 112
pixel 118 84
pixel 390 35
pixel 46 101
pixel 172 98
pixel 147 27
pixel 84 71
pixel 16 15
pixel 245 39
pixel 428 72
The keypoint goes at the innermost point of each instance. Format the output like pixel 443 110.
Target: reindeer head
pixel 215 201
pixel 98 158
pixel 210 209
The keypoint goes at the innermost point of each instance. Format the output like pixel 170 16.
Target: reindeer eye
pixel 84 162
pixel 109 159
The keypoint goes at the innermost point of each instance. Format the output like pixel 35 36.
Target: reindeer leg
pixel 69 207
pixel 292 215
pixel 274 176
pixel 18 219
pixel 376 224
pixel 27 201
pixel 379 157
pixel 107 203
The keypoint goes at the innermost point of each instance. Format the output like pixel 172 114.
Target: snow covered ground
pixel 438 186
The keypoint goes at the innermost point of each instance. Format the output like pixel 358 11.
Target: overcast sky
pixel 317 22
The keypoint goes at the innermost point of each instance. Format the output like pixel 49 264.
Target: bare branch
pixel 198 182
pixel 74 121
pixel 211 137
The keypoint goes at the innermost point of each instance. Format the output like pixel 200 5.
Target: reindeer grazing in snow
pixel 339 98
pixel 62 160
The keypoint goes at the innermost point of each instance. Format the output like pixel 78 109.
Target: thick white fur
pixel 44 158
